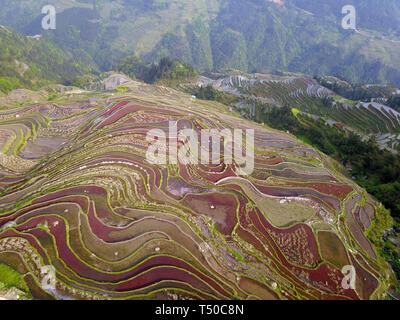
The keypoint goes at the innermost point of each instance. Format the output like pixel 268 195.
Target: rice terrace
pixel 78 194
pixel 199 158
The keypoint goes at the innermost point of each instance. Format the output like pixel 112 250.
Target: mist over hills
pixel 252 35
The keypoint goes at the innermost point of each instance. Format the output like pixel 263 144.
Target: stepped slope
pixel 77 193
pixel 308 96
pixel 30 63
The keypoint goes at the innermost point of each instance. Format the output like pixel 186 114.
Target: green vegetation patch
pixel 9 278
pixel 166 68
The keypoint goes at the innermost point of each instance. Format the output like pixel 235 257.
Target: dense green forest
pixel 209 93
pixel 166 68
pixel 354 91
pixel 252 35
pixel 394 102
pixel 28 63
pixel 206 93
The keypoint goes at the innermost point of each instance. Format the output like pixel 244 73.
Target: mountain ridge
pixel 255 35
pixel 31 63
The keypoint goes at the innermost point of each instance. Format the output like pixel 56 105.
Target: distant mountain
pixel 252 35
pixel 32 62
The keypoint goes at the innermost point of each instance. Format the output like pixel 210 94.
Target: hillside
pixel 77 192
pixel 252 35
pixel 29 63
pixel 363 135
pixel 320 98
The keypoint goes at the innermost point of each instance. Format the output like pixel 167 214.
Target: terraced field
pixel 280 90
pixel 368 117
pixel 78 194
pixel 306 95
